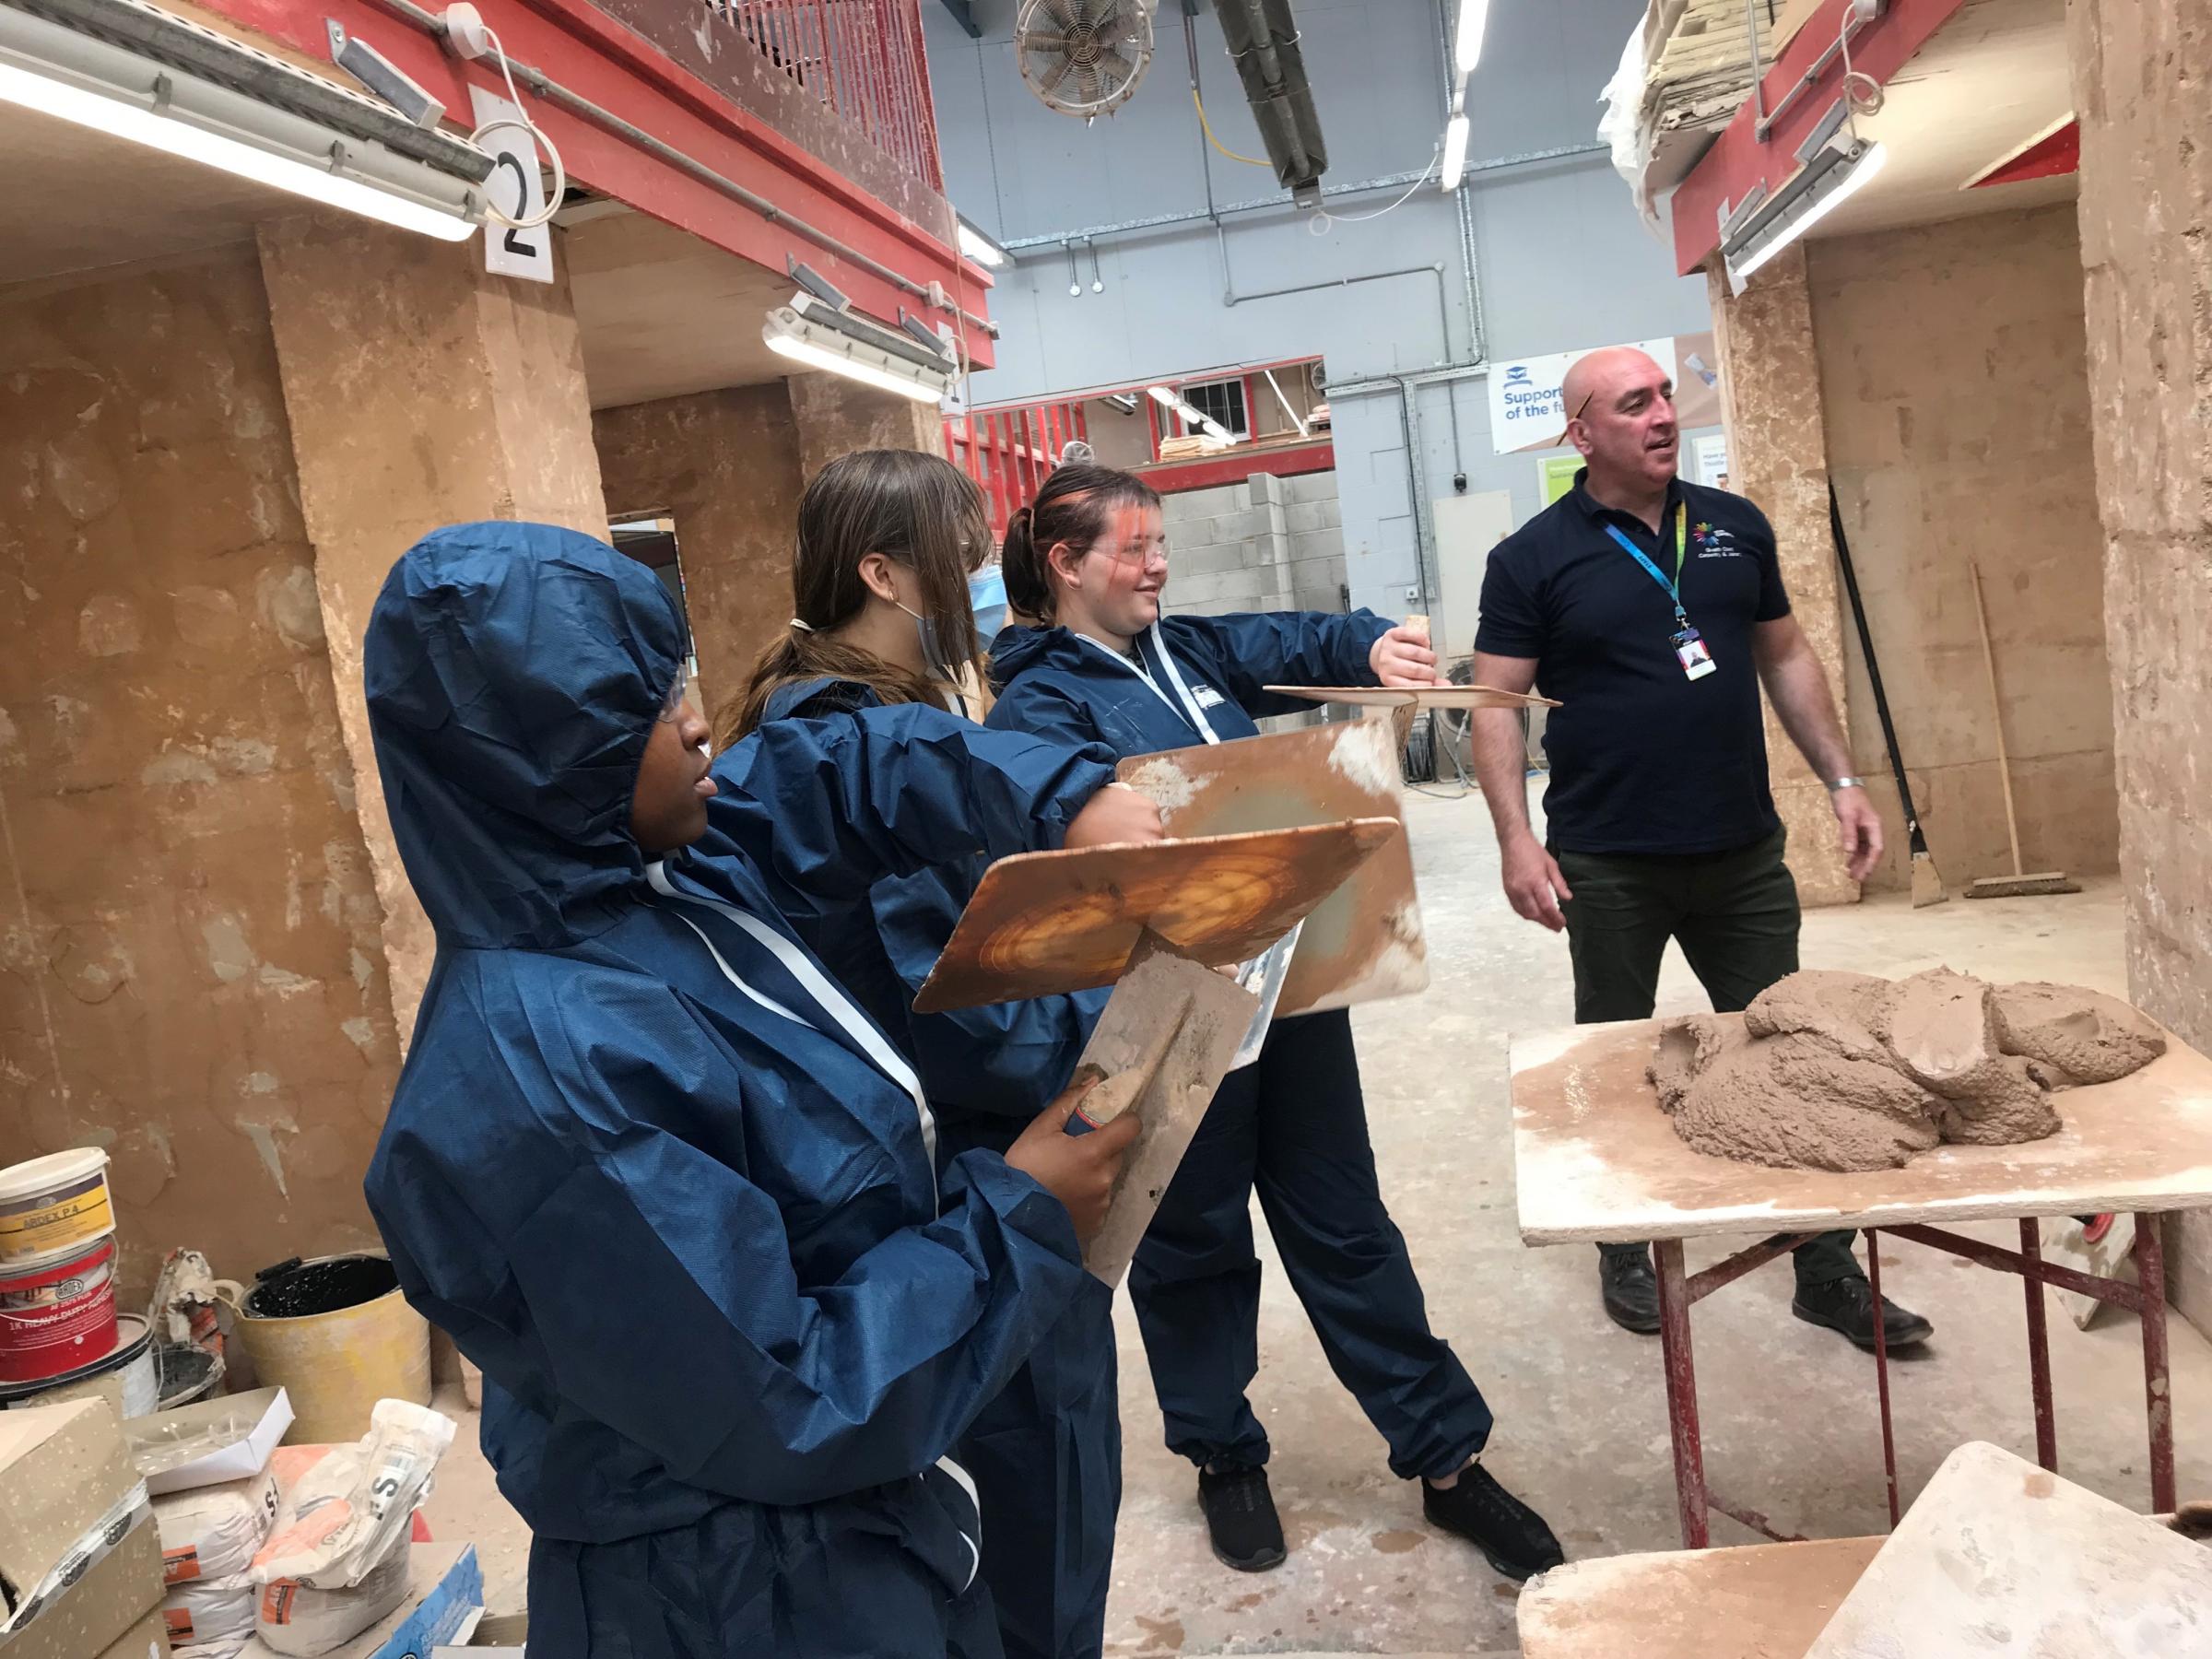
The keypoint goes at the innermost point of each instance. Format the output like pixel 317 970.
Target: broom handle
pixel 1996 708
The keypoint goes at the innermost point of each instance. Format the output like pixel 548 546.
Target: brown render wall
pixel 190 966
pixel 1955 389
pixel 724 466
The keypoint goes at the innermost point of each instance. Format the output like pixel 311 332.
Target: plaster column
pixel 421 392
pixel 724 466
pixel 1778 458
pixel 2140 68
pixel 837 416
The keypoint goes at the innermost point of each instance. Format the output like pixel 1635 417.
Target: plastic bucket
pixel 58 1317
pixel 337 1335
pixel 54 1207
pixel 124 1376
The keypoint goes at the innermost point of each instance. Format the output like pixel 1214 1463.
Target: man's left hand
pixel 1861 831
pixel 1402 658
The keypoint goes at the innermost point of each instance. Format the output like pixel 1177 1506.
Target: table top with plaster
pixel 1595 1158
pixel 1998 1560
pixel 1766 1602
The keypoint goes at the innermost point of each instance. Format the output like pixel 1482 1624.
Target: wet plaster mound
pixel 1847 1071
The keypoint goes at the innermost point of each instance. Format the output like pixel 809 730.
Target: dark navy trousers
pixel 1292 1126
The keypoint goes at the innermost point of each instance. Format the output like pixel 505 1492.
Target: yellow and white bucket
pixel 54 1207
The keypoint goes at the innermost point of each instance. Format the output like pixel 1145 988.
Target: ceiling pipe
pixel 1263 43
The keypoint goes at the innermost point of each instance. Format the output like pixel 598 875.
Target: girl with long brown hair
pixel 1090 559
pixel 888 543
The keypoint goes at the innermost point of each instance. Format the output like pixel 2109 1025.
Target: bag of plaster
pixel 210 1617
pixel 337 1561
pixel 297 1618
pixel 214 1532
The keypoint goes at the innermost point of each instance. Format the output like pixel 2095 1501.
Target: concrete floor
pixel 1789 1416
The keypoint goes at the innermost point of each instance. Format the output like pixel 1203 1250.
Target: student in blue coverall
pixel 889 542
pixel 653 1171
pixel 1090 559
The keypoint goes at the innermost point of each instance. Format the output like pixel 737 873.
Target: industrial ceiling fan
pixel 1083 57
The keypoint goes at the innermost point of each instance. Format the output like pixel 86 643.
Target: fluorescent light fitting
pixel 1455 153
pixel 54 71
pixel 1804 203
pixel 818 345
pixel 975 245
pixel 1467 42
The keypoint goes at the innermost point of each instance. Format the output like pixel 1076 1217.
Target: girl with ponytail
pixel 1090 561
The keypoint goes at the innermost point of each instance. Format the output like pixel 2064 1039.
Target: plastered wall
pixel 190 969
pixel 1955 392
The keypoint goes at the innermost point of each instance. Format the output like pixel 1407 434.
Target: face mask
pixel 934 657
pixel 987 598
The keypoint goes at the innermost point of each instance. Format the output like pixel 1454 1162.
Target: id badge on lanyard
pixel 1689 645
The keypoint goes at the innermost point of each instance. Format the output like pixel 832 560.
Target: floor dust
pixel 1850 1071
pixel 1397 1543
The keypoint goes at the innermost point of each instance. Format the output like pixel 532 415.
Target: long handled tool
pixel 1928 882
pixel 2015 885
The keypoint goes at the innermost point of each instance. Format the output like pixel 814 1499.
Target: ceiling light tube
pixel 1804 203
pixel 975 245
pixel 57 72
pixel 1467 42
pixel 817 346
pixel 1455 153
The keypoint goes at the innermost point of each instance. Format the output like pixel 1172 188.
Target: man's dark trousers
pixel 1736 915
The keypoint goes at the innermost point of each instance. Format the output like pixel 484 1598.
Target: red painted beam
pixel 2047 158
pixel 599 59
pixel 1233 466
pixel 1737 160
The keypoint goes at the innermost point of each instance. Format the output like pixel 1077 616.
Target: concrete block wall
pixel 1267 544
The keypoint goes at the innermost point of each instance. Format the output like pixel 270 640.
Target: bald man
pixel 1653 609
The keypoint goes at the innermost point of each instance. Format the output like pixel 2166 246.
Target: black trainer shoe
pixel 1632 1292
pixel 1512 1537
pixel 1847 1305
pixel 1239 1513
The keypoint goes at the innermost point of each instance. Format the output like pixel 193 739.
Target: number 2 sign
pixel 517 189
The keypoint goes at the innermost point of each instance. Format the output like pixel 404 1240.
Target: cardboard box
pixel 99 1610
pixel 210 1442
pixel 61 1469
pixel 148 1639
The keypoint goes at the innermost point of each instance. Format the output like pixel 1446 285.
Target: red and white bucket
pixel 57 1317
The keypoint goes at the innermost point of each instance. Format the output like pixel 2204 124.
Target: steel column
pixel 2157 1387
pixel 2039 1349
pixel 1681 1394
pixel 1882 1370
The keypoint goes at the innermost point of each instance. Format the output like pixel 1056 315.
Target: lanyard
pixel 1674 588
pixel 827 996
pixel 1188 708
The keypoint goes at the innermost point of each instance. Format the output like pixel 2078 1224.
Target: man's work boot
pixel 1631 1293
pixel 1847 1305
pixel 1239 1513
pixel 1512 1537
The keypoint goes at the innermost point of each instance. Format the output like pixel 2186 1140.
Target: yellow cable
pixel 1207 128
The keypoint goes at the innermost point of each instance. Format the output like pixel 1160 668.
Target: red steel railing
pixel 862 58
pixel 1011 452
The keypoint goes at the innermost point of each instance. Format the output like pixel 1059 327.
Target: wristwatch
pixel 1836 783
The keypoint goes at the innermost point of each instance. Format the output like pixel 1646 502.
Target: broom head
pixel 2022 886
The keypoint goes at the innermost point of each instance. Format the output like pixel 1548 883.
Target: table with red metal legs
pixel 1678 1291
pixel 1596 1160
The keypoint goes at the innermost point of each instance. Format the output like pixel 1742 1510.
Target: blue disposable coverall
pixel 1293 1123
pixel 1045 1454
pixel 651 1167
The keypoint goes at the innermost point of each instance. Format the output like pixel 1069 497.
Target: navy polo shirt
pixel 1643 759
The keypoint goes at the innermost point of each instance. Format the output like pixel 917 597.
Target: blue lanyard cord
pixel 1674 588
